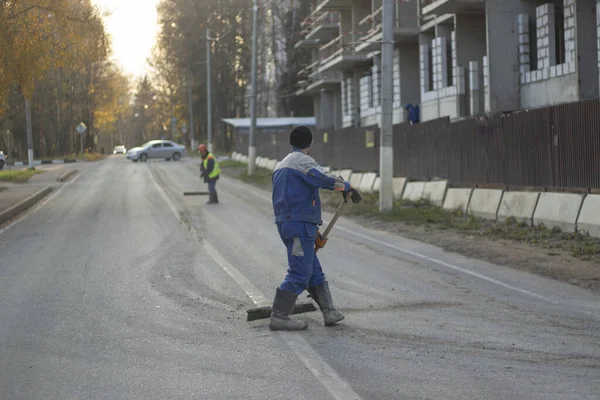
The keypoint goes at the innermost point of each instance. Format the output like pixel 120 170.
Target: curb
pixel 23 205
pixel 67 175
pixel 42 162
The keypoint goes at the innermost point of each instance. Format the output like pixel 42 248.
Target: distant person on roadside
pixel 209 171
pixel 413 113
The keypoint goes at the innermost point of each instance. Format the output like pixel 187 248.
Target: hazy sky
pixel 133 27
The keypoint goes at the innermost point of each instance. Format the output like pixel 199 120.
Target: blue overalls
pixel 297 208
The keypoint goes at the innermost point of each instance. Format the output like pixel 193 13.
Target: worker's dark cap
pixel 301 137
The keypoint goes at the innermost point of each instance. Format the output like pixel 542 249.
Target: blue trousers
pixel 212 183
pixel 304 267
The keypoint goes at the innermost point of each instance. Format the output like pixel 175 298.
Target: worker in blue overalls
pixel 297 208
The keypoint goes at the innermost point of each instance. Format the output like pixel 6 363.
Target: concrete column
pixel 585 28
pixel 424 67
pixel 396 79
pixel 546 36
pixel 474 94
pixel 326 111
pixel 440 63
pixel 487 95
pixel 376 84
pixel 365 82
pixel 524 47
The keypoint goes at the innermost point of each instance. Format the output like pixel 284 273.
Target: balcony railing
pixel 309 69
pixel 371 24
pixel 318 19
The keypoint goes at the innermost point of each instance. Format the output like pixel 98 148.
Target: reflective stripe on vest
pixel 216 168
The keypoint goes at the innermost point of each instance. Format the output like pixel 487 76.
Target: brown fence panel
pixel 552 147
pixel 467 152
pixel 420 151
pixel 525 153
pixel 348 148
pixel 576 144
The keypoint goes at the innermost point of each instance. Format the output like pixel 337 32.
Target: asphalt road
pixel 119 287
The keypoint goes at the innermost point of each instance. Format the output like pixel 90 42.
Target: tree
pixel 53 53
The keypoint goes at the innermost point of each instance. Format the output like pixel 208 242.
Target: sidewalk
pixel 15 194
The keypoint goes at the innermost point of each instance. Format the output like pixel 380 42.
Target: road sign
pixel 81 128
pixel 184 128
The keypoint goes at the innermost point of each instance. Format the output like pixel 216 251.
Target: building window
pixel 559 31
pixel 533 60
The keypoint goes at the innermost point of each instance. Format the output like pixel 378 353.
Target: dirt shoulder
pixel 566 257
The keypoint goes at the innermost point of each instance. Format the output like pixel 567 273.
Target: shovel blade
pixel 195 193
pixel 265 312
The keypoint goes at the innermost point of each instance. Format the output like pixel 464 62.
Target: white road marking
pixel 40 205
pixel 422 256
pixel 335 385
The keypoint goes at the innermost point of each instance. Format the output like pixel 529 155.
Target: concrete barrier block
pixel 589 216
pixel 244 159
pixel 345 174
pixel 327 169
pixel 558 210
pixel 376 185
pixel 413 191
pixel 355 179
pixel 484 203
pixel 236 157
pixel 434 192
pixel 457 199
pixel 399 184
pixel 367 181
pixel 518 205
pixel 271 164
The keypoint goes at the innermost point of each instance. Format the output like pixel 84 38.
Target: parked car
pixel 119 150
pixel 2 160
pixel 157 149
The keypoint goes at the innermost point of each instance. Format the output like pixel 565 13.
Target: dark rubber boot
pixel 283 305
pixel 211 198
pixel 216 197
pixel 322 296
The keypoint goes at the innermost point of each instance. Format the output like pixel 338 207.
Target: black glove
pixel 354 195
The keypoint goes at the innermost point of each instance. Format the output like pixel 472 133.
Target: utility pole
pixel 386 152
pixel 252 141
pixel 191 111
pixel 29 132
pixel 208 92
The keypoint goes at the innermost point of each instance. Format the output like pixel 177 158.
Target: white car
pixel 119 150
pixel 2 160
pixel 157 149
